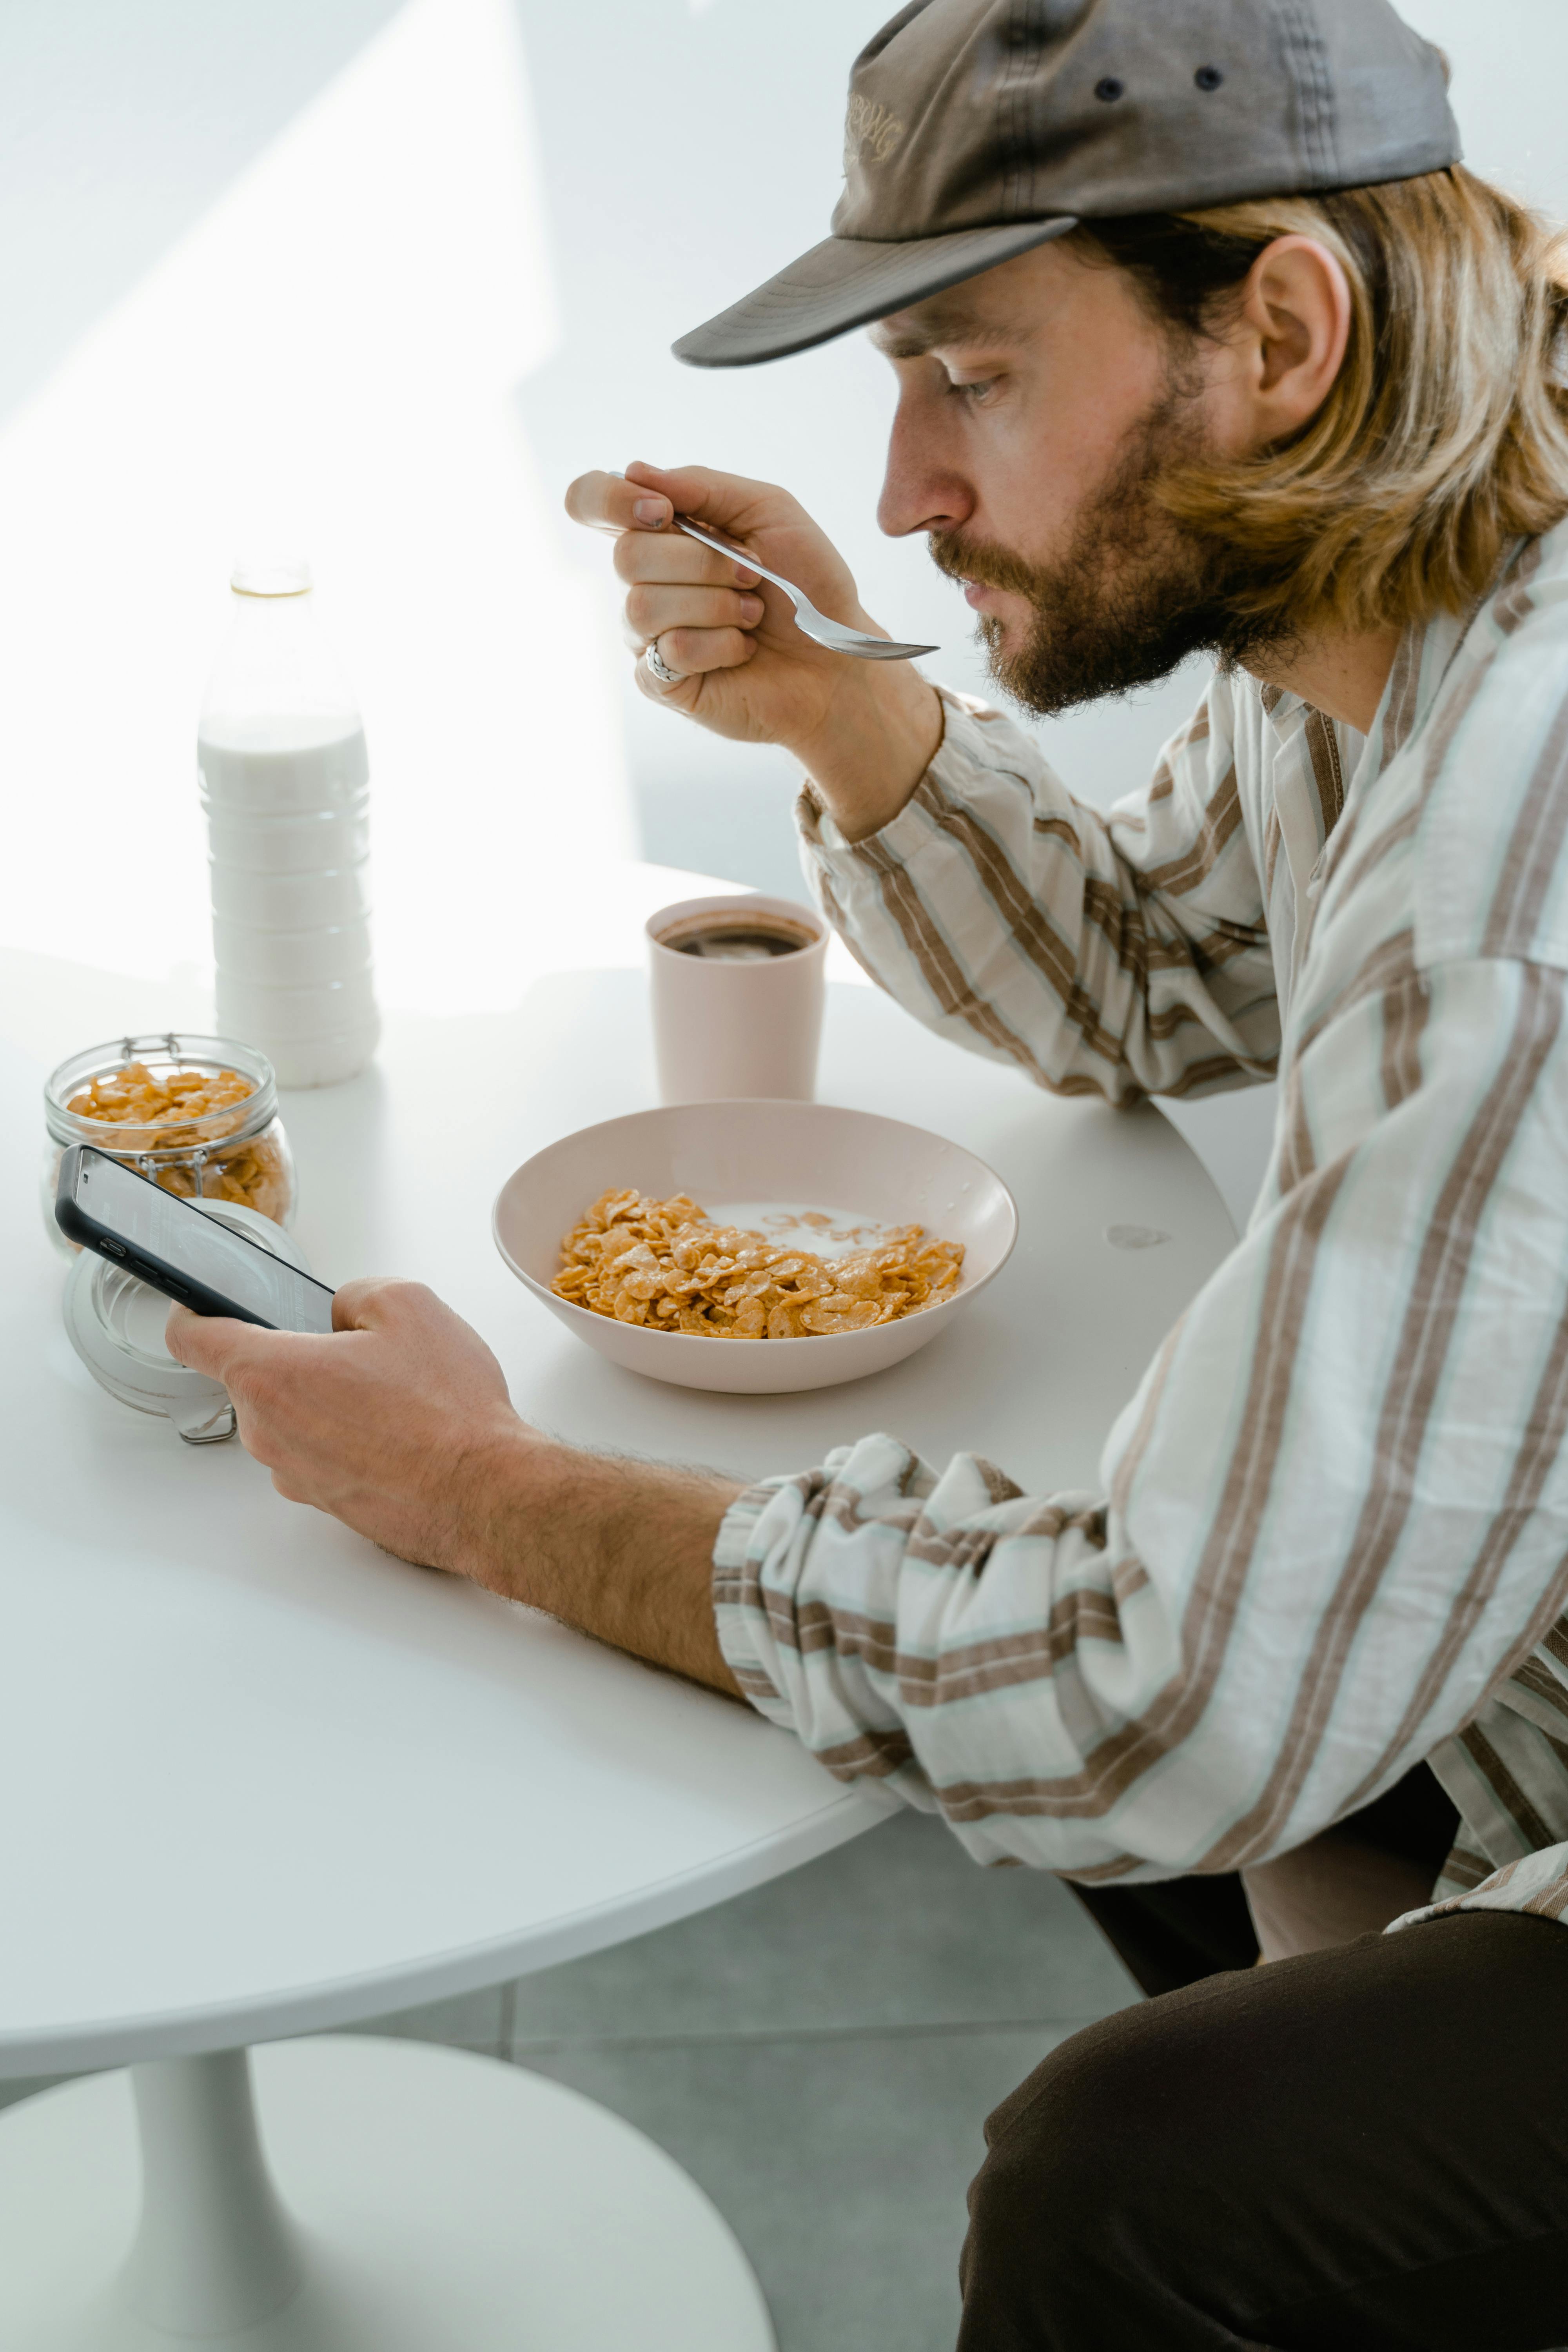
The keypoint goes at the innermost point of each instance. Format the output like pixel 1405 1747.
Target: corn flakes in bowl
pixel 756 1247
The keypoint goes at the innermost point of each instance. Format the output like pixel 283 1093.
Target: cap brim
pixel 847 282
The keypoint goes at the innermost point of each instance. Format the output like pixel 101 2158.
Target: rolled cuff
pixel 737 1625
pixel 960 756
pixel 1536 1884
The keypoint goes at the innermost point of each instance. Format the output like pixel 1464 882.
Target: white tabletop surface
pixel 258 1777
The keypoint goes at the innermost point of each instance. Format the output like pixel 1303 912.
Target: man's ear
pixel 1292 334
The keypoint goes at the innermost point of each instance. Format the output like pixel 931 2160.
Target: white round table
pixel 261 1780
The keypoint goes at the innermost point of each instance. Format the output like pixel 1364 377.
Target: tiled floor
pixel 820 2055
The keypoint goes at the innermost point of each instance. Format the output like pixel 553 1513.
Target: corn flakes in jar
pixel 197 1115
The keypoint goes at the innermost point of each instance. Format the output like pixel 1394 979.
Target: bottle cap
pixel 271 576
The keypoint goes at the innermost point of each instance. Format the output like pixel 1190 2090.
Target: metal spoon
pixel 815 625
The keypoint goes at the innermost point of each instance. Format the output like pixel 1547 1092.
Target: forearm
pixel 623 1550
pixel 879 735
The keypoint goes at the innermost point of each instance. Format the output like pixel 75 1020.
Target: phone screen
pixel 158 1225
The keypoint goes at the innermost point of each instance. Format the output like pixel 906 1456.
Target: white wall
pixel 1510 60
pixel 326 358
pixel 120 122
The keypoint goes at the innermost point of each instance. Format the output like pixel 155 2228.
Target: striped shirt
pixel 1331 1533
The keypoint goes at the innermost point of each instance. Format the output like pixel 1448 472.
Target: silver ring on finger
pixel 659 666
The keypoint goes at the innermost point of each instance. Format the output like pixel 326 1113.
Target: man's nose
pixel 921 489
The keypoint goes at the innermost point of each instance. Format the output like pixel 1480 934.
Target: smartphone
pixel 165 1243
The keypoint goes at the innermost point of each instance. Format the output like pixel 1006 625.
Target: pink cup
pixel 722 1028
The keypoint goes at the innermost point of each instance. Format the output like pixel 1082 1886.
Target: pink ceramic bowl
pixel 735 1156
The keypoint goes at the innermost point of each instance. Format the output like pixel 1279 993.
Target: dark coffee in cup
pixel 725 940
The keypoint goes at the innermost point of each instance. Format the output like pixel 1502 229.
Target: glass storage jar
pixel 149 1101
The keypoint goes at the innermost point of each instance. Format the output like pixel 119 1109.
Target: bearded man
pixel 1205 340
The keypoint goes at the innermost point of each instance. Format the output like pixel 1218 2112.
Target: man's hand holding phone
pixel 392 1423
pixel 398 1422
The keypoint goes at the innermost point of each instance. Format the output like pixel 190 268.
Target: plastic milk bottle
pixel 286 786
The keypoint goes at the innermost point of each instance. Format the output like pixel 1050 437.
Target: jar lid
pixel 116 1326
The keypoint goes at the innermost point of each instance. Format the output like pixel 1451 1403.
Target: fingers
pixel 227 1349
pixel 651 612
pixel 729 501
pixel 647 497
pixel 659 557
pixel 692 655
pixel 691 652
pixel 217 1345
pixel 609 503
pixel 377 1301
pixel 414 1322
pixel 698 605
pixel 174 1329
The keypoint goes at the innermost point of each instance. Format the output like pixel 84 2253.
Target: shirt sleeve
pixel 1118 954
pixel 1331 1518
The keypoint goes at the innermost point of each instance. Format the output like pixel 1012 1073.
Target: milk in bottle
pixel 285 784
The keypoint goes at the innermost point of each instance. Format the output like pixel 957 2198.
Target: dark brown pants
pixel 1365 2150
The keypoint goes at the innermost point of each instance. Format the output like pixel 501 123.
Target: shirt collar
pixel 1420 665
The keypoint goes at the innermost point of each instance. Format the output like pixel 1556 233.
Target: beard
pixel 1136 593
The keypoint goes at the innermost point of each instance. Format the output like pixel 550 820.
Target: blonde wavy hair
pixel 1446 435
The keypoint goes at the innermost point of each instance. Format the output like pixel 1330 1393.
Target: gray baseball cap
pixel 978 129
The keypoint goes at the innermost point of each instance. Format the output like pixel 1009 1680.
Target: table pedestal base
pixel 426 2201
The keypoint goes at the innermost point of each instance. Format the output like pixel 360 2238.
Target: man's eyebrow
pixel 932 329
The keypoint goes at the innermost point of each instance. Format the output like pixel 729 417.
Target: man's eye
pixel 973 392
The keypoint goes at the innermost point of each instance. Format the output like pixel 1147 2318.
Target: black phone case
pixel 184 1289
